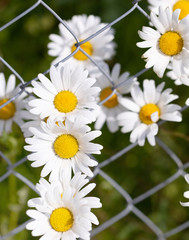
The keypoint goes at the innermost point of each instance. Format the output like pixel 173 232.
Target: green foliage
pixel 24 46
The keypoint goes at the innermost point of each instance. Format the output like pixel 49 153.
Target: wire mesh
pixel 130 202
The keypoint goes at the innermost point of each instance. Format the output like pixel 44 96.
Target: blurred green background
pixel 24 46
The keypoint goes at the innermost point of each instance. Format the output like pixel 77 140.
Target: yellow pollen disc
pixel 61 219
pixel 8 111
pixel 65 101
pixel 112 102
pixel 66 146
pixel 46 119
pixel 146 111
pixel 184 6
pixel 171 43
pixel 87 47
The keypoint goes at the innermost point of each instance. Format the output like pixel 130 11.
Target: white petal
pixel 186 194
pixel 157 23
pixel 129 104
pixel 174 117
pixel 187 178
pixel 137 132
pixel 2 84
pixel 47 83
pixel 100 120
pixel 187 102
pixel 112 124
pixel 68 235
pixel 149 91
pixel 137 95
pixel 36 215
pixel 10 84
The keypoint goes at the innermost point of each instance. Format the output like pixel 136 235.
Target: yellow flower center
pixel 87 47
pixel 61 219
pixel 184 6
pixel 112 102
pixel 45 120
pixel 66 146
pixel 8 111
pixel 171 43
pixel 146 111
pixel 65 101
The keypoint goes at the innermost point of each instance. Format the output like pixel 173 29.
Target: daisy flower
pixel 69 94
pixel 13 111
pixel 99 48
pixel 186 194
pixel 146 108
pixel 109 110
pixel 168 43
pixel 63 213
pixel 180 75
pixel 62 147
pixel 183 5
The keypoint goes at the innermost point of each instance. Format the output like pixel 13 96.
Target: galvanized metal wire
pixel 130 203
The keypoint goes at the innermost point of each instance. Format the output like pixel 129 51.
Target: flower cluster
pixel 63 211
pixel 58 135
pixel 168 41
pixel 168 44
pixel 60 140
pixel 75 94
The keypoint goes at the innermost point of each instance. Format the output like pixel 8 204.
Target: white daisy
pixel 32 120
pixel 146 108
pixel 35 120
pixel 186 194
pixel 63 212
pixel 69 94
pixel 63 146
pixel 13 111
pixel 172 4
pixel 112 107
pixel 169 43
pixel 100 48
pixel 180 75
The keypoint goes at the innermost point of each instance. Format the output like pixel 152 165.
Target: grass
pixel 138 170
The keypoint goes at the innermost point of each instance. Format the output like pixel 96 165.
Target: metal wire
pixel 129 201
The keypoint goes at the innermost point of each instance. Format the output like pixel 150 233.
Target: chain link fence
pixel 130 201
